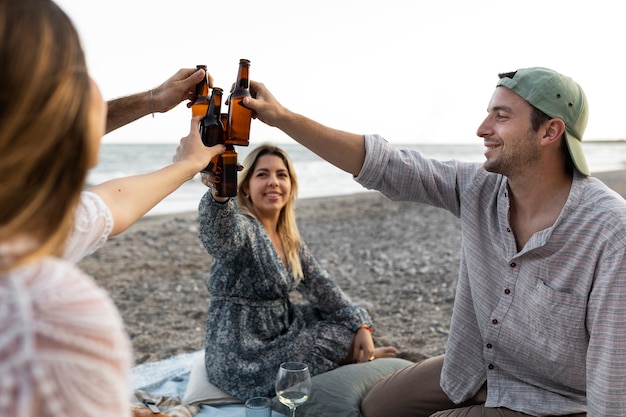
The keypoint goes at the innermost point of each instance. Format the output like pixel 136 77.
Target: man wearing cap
pixel 538 321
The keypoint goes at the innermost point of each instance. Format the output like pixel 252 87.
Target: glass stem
pixel 293 411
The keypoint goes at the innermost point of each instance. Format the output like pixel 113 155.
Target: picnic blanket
pixel 336 393
pixel 167 380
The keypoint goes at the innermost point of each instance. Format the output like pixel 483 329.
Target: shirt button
pixel 490 366
pixel 508 229
pixel 507 291
pixel 489 345
pixel 494 321
pixel 512 264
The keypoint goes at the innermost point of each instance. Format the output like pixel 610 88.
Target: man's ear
pixel 553 131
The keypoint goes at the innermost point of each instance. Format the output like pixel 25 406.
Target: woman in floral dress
pixel 258 260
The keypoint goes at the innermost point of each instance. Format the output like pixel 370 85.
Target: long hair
pixel 44 147
pixel 287 227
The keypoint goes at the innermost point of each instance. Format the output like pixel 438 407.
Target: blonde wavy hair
pixel 287 227
pixel 44 150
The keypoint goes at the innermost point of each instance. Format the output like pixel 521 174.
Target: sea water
pixel 316 177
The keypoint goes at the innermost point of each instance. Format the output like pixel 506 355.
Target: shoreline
pixel 398 259
pixel 614 179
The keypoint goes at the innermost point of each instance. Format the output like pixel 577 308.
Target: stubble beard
pixel 521 154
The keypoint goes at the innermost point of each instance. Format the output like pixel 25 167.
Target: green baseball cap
pixel 559 97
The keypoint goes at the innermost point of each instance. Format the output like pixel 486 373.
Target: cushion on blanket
pixel 334 393
pixel 201 391
pixel 338 393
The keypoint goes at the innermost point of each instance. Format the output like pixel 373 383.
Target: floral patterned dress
pixel 252 326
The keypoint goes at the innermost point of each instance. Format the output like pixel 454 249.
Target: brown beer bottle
pixel 224 117
pixel 211 128
pixel 239 116
pixel 227 168
pixel 200 99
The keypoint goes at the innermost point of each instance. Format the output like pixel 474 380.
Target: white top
pixel 63 348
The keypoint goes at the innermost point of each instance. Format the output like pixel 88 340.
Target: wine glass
pixel 293 384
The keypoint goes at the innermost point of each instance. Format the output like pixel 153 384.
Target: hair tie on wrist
pixel 366 327
pixel 151 104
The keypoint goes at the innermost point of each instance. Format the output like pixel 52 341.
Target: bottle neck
pixel 215 105
pixel 242 76
pixel 202 88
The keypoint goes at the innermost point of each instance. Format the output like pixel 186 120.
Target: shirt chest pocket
pixel 557 315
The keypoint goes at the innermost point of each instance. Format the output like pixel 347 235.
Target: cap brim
pixel 575 147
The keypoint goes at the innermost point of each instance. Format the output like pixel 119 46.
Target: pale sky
pixel 412 70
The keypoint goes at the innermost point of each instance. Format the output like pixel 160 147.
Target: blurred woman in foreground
pixel 63 348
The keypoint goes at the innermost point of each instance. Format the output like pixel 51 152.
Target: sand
pixel 399 259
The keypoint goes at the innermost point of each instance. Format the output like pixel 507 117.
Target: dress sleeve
pixel 93 223
pixel 326 296
pixel 221 229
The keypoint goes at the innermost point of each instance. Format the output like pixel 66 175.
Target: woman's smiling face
pixel 269 187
